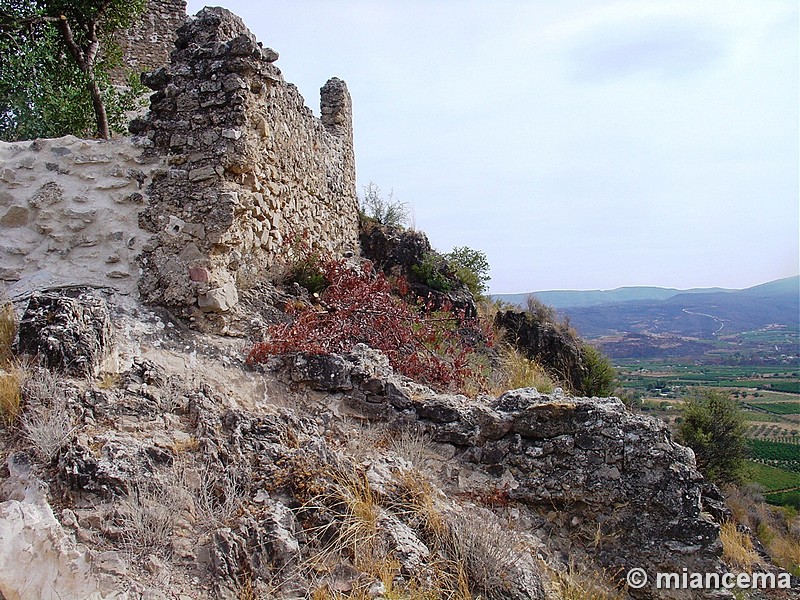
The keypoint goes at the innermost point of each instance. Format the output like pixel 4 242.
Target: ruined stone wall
pixel 148 43
pixel 252 174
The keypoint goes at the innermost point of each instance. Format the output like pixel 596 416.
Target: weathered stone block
pixel 15 216
pixel 69 329
pixel 220 299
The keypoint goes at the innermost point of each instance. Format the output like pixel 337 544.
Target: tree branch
pixel 69 39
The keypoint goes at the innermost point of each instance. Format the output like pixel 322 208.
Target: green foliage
pixel 387 211
pixel 442 272
pixel 769 450
pixel 786 499
pixel 306 267
pixel 778 408
pixel 109 15
pixel 714 427
pixel 771 478
pixel 309 274
pixel 600 374
pixel 472 269
pixel 44 92
pixel 434 272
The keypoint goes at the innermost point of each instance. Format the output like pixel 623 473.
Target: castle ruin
pixel 229 176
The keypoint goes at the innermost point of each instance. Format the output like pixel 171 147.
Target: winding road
pixel 716 320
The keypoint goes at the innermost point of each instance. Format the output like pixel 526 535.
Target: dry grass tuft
pixel 518 371
pixel 358 504
pixel 150 512
pixel 10 394
pixel 8 331
pixel 737 547
pixel 419 503
pixel 46 422
pixel 575 583
pixel 11 374
pixel 785 551
pixel 410 444
pixel 218 498
pixel 777 529
pixel 108 381
pixel 484 553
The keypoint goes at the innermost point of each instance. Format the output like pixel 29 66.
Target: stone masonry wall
pixel 148 43
pixel 69 211
pixel 251 174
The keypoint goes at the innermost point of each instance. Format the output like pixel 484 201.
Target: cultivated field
pixel 770 402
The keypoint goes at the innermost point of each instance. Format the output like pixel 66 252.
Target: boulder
pixel 69 329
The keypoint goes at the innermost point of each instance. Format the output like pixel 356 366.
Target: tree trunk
pixel 99 108
pixel 86 58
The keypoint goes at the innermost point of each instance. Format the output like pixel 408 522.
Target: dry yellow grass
pixel 360 505
pixel 419 500
pixel 8 331
pixel 785 552
pixel 518 371
pixel 576 583
pixel 737 547
pixel 10 394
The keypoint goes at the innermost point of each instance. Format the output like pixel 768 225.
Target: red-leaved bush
pixel 359 306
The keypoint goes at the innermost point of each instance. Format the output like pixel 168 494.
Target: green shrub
pixel 387 211
pixel 714 427
pixel 600 374
pixel 471 268
pixel 434 272
pixel 308 273
pixel 542 313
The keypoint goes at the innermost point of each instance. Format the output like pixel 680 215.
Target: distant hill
pixel 757 324
pixel 573 298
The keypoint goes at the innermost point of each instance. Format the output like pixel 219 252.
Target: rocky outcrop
pixel 240 488
pixel 254 180
pixel 67 329
pixel 37 557
pixel 397 251
pixel 394 250
pixel 619 472
pixel 551 346
pixel 620 478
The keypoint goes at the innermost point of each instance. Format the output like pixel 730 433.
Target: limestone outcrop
pixel 620 477
pixel 548 344
pixel 68 330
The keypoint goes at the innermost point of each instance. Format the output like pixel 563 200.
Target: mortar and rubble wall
pixel 229 177
pixel 147 44
pixel 251 173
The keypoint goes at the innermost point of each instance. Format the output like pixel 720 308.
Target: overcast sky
pixel 586 144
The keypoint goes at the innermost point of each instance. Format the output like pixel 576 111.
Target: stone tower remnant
pixel 251 174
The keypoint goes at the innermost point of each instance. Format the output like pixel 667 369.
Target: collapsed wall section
pixel 251 174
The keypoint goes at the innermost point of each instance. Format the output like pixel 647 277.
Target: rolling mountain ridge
pixel 757 324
